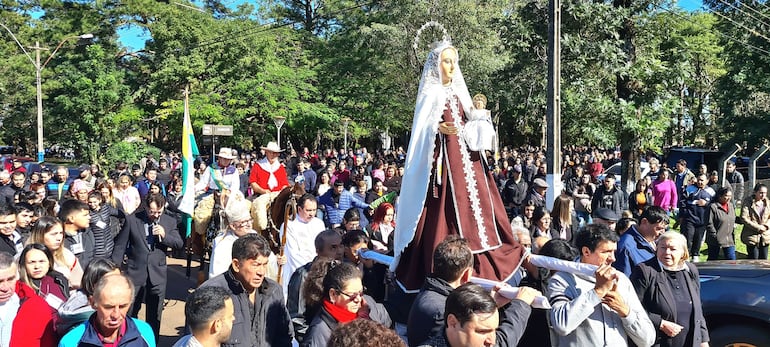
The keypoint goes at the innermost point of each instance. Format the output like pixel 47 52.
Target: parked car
pixel 615 171
pixel 736 302
pixel 694 157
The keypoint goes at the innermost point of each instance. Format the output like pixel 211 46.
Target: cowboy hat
pixel 226 153
pixel 272 146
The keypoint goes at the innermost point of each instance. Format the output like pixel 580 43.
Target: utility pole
pixel 553 106
pixel 38 79
pixel 39 86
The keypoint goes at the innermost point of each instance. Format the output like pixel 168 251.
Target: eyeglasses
pixel 243 223
pixel 352 296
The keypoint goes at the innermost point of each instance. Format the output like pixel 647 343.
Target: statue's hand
pixel 447 128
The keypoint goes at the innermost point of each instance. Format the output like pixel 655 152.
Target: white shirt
pixel 188 341
pixel 300 247
pixel 231 181
pixel 222 255
pixel 8 312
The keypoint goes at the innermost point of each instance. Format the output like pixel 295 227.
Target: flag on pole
pixel 189 150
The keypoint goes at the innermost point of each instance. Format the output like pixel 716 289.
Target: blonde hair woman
pixel 564 222
pixel 49 231
pixel 127 194
pixel 669 289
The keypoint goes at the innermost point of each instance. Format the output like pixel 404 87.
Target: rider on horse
pixel 219 180
pixel 267 179
pixel 221 175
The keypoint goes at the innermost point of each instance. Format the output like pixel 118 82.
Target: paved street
pixel 176 293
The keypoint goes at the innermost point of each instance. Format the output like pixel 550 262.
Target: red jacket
pixel 33 325
pixel 261 177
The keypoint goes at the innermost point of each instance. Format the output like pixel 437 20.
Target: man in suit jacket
pixel 147 234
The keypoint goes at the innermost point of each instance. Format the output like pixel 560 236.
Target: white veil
pixel 432 96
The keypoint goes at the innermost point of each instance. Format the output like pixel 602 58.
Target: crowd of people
pixel 79 256
pixel 64 236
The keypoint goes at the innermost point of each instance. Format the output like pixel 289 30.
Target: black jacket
pixel 657 297
pixel 101 227
pixel 271 325
pixel 614 199
pixel 86 237
pixel 514 193
pixel 571 230
pixel 323 323
pixel 7 245
pixel 426 318
pixel 295 302
pixel 144 260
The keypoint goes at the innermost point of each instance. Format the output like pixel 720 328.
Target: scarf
pixel 272 182
pixel 340 314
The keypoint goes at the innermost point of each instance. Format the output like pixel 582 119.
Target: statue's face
pixel 448 63
pixel 479 104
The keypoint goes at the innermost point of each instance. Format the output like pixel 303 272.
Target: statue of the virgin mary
pixel 446 188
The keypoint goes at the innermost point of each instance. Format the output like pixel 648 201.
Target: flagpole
pixel 187 217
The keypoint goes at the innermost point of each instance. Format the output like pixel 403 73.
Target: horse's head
pixel 297 190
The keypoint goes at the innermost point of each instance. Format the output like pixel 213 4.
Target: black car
pixel 736 302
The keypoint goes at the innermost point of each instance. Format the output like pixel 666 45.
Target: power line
pixel 751 30
pixel 728 37
pixel 743 12
pixel 755 11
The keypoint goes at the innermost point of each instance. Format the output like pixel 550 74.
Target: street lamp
pixel 345 122
pixel 38 80
pixel 279 120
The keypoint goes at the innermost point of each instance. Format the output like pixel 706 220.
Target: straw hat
pixel 226 153
pixel 272 146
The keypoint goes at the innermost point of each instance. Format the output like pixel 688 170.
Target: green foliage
pixel 625 69
pixel 129 152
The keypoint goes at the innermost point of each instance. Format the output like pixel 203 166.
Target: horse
pixel 280 211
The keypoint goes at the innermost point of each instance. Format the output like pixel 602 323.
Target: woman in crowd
pixel 373 273
pixel 106 188
pixel 324 183
pixel 755 213
pixel 77 309
pixel 669 289
pixel 39 190
pixel 342 301
pixel 36 270
pixel 541 225
pixel 101 225
pixel 80 190
pixel 639 199
pixel 720 230
pixel 380 231
pixel 49 231
pixel 565 224
pixel 582 195
pixel 664 192
pixel 116 218
pixel 524 219
pixel 51 205
pixel 127 194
